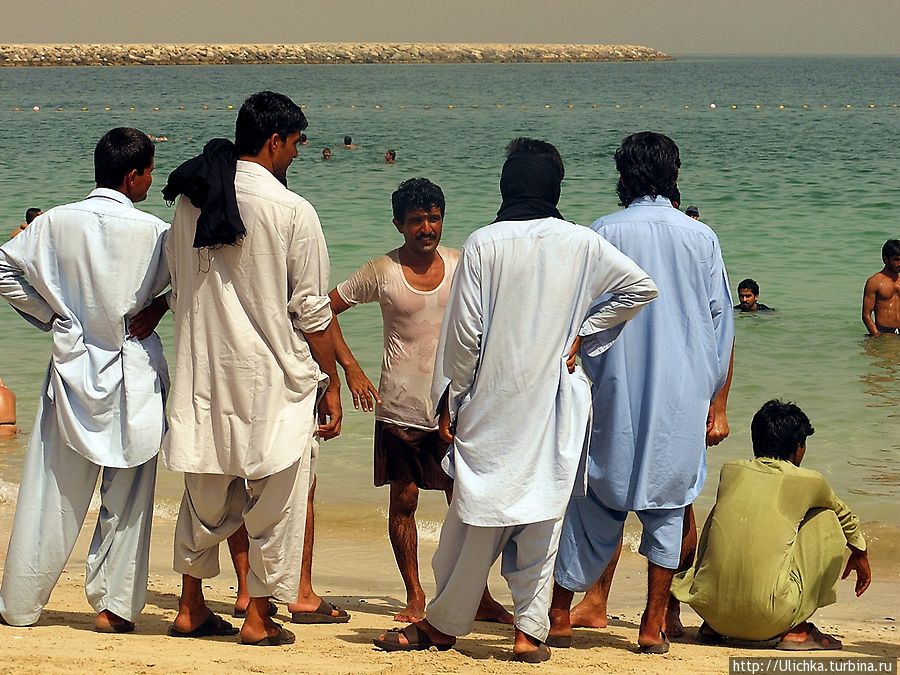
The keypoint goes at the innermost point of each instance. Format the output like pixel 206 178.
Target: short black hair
pixel 648 165
pixel 416 193
pixel 692 211
pixel 31 214
pixel 347 140
pixel 263 114
pixel 532 146
pixel 750 285
pixel 891 248
pixel 392 153
pixel 120 151
pixel 778 429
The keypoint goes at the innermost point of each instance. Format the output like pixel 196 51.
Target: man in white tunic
pixel 80 272
pixel 506 379
pixel 250 290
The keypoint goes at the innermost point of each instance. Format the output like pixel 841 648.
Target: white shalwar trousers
pixel 463 562
pixel 273 509
pixel 54 497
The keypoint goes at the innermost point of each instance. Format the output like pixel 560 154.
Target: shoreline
pixel 364 580
pixel 315 53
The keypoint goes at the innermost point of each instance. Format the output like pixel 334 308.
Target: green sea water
pixel 795 168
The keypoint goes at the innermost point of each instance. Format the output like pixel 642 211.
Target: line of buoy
pixel 453 106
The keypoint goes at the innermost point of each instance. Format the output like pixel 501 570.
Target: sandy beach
pixel 363 579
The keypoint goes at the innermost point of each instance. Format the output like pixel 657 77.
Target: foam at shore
pixel 314 53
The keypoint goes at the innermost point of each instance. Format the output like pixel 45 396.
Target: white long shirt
pixel 245 382
pixel 521 294
pixel 92 265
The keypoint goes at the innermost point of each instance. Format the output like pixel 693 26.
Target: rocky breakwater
pixel 314 53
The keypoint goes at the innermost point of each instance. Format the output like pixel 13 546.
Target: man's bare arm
pixel 870 293
pixel 321 346
pixel 361 388
pixel 717 429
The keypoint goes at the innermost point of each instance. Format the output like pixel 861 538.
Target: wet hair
pixel 750 285
pixel 416 193
pixel 648 164
pixel 120 151
pixel 262 115
pixel 891 248
pixel 778 429
pixel 31 214
pixel 348 140
pixel 392 154
pixel 532 146
pixel 692 211
pixel 303 138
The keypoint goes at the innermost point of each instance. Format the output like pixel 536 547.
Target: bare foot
pixel 493 612
pixel 258 626
pixel 674 627
pixel 560 626
pixel 190 617
pixel 107 622
pixel 525 644
pixel 414 612
pixel 587 615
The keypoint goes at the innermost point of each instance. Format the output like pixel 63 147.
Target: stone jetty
pixel 314 53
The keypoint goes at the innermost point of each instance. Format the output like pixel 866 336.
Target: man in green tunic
pixel 772 548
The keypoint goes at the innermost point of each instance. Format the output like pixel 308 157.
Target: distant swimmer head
pixel 326 153
pixel 748 295
pixel 123 161
pixel 268 127
pixel 31 214
pixel 779 430
pixel 348 141
pixel 418 207
pixel 693 212
pixel 303 139
pixel 648 165
pixel 890 254
pixel 390 156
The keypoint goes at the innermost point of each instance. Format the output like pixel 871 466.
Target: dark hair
pixel 778 429
pixel 891 248
pixel 692 211
pixel 120 151
pixel 303 138
pixel 532 146
pixel 262 115
pixel 750 285
pixel 347 140
pixel 648 164
pixel 392 153
pixel 416 193
pixel 31 214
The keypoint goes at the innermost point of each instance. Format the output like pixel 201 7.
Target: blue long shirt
pixel 652 389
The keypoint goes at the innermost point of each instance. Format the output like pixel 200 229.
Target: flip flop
pixel 282 637
pixel 242 613
pixel 817 641
pixel 322 614
pixel 213 626
pixel 539 655
pixel 559 641
pixel 418 642
pixel 125 627
pixel 658 648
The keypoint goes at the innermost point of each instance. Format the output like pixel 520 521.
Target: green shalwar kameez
pixel 771 551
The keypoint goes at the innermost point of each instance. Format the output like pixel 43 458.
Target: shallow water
pixel 801 197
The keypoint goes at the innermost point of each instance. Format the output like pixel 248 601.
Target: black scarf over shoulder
pixel 529 185
pixel 208 181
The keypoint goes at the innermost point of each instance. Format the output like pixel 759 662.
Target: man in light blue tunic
pixel 658 393
pixel 526 289
pixel 91 266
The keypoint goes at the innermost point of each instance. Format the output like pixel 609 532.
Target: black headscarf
pixel 208 181
pixel 529 185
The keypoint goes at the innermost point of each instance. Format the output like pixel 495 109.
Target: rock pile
pixel 314 53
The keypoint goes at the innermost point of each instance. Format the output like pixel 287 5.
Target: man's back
pixel 238 313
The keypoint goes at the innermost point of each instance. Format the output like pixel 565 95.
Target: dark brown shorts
pixel 408 455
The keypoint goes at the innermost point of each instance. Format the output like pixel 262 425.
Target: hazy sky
pixel 675 26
